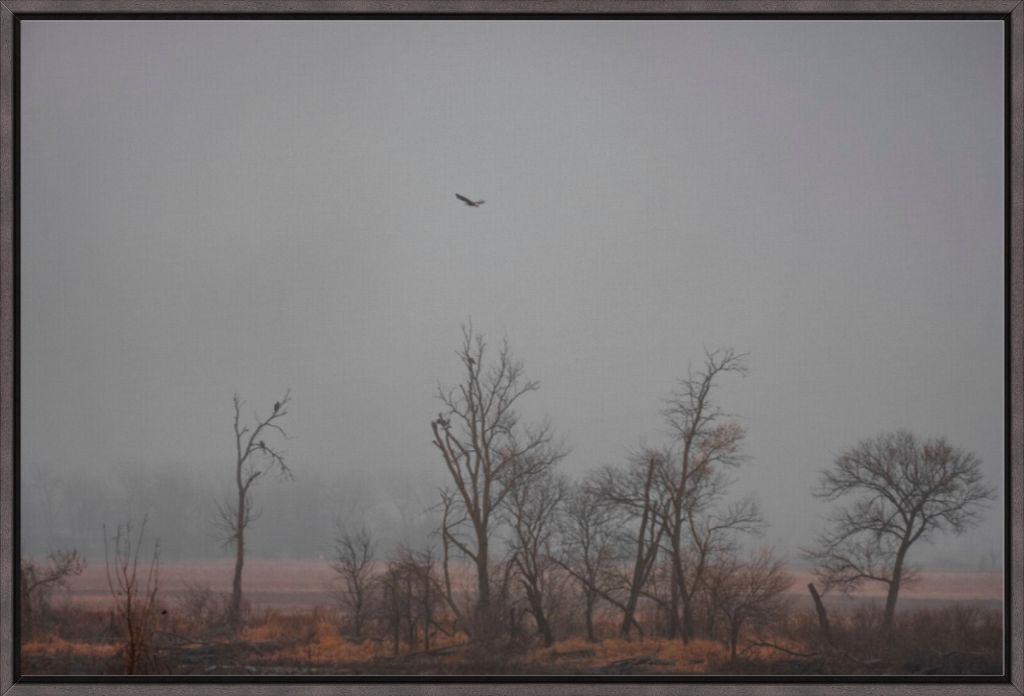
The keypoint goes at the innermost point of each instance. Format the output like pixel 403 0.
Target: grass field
pixel 948 623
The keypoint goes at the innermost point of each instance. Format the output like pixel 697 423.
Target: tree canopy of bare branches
pixel 693 478
pixel 633 491
pixel 354 555
pixel 37 581
pixel 903 490
pixel 749 592
pixel 134 595
pixel 588 549
pixel 485 448
pixel 255 459
pixel 532 508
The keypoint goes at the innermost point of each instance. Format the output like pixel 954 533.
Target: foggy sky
pixel 250 206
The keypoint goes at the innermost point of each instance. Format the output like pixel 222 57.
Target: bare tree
pixel 712 528
pixel 427 597
pixel 396 602
pixel 480 438
pixel 749 593
pixel 691 475
pixel 254 460
pixel 354 555
pixel 37 582
pixel 634 493
pixel 903 490
pixel 532 509
pixel 135 596
pixel 588 547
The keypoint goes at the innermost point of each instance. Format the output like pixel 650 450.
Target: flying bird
pixel 469 202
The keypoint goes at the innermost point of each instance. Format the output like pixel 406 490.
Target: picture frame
pixel 1010 12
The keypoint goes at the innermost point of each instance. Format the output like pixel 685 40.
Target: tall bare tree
pixel 903 490
pixel 532 508
pixel 713 533
pixel 588 546
pixel 255 459
pixel 481 440
pixel 692 474
pixel 634 492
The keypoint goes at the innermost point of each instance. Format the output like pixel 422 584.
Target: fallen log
pixel 627 665
pixel 773 646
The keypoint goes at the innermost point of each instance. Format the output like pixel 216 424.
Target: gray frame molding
pixel 1010 10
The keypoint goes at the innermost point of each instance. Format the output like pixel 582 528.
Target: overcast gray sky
pixel 256 205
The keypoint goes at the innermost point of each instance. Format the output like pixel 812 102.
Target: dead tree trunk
pixel 254 460
pixel 819 607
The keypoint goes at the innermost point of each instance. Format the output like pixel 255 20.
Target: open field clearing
pixel 282 584
pixel 948 623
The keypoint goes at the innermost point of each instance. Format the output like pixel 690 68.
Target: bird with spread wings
pixel 471 203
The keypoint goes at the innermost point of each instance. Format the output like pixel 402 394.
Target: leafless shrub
pixel 354 556
pixel 750 593
pixel 134 595
pixel 39 580
pixel 201 609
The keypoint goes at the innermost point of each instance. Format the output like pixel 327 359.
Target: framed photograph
pixel 506 347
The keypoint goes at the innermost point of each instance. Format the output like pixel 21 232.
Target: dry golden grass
pixel 580 654
pixel 53 646
pixel 291 642
pixel 293 627
pixel 324 649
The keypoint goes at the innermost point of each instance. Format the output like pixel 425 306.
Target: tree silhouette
pixel 903 491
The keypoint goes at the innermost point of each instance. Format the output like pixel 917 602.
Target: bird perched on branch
pixel 469 202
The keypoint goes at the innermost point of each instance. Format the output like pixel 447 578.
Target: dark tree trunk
pixel 894 587
pixel 235 610
pixel 483 580
pixel 427 618
pixel 890 604
pixel 712 616
pixel 687 628
pixel 396 619
pixel 589 610
pixel 541 619
pixel 410 619
pixel 627 615
pixel 674 628
pixel 819 607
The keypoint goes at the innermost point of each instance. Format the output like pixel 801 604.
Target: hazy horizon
pixel 251 206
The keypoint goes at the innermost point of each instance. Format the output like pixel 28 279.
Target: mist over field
pixel 210 208
pixel 804 217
